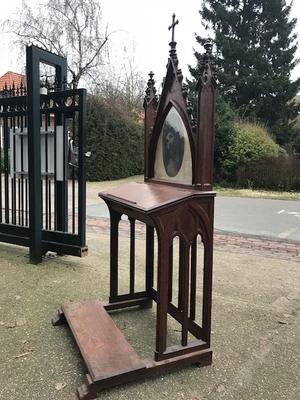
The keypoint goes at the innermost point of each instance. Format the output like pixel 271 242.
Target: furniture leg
pixel 162 297
pixel 114 249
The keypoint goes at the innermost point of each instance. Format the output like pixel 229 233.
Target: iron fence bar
pixel 50 209
pixel 22 200
pixel 46 170
pixel 26 201
pixel 13 181
pixel 48 180
pixel 19 201
pixel 61 198
pixel 81 168
pixel 55 174
pixel 22 168
pixel 62 108
pixel 61 187
pixel 73 177
pixel 63 237
pixel 42 186
pixel 20 182
pixel 73 199
pixel 6 179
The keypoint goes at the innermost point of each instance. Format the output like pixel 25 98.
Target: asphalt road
pixel 277 219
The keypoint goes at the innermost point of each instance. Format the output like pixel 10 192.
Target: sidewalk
pixel 256 326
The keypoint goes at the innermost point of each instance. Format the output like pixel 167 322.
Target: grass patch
pixel 260 194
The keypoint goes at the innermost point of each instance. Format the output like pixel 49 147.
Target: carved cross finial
pixel 172 26
pixel 172 44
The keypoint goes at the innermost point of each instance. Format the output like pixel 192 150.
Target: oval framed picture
pixel 173 160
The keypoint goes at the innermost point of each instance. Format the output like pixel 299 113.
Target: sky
pixel 142 28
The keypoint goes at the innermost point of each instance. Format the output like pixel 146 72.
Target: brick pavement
pixel 232 242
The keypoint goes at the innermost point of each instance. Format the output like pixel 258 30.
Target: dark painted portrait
pixel 172 143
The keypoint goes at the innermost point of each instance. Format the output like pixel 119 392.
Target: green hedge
pixel 274 173
pixel 250 143
pixel 255 161
pixel 115 140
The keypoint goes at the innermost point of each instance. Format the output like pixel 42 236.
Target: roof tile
pixel 11 77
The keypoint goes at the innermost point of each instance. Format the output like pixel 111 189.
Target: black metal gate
pixel 42 141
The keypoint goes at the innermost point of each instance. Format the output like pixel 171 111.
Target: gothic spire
pixel 207 63
pixel 151 90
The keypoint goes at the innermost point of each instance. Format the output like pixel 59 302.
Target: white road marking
pixel 294 213
pixel 284 235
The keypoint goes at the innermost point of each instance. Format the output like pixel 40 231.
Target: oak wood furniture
pixel 175 200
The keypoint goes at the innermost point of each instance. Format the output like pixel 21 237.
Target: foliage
pixel 225 118
pixel 272 173
pixel 256 46
pixel 70 28
pixel 250 143
pixel 116 142
pixel 122 87
pixel 293 147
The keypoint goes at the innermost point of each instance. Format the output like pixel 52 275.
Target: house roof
pixel 11 77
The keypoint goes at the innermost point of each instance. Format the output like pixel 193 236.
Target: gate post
pixel 34 56
pixel 34 155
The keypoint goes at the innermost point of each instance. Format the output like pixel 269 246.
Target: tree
pixel 122 87
pixel 256 46
pixel 225 120
pixel 70 28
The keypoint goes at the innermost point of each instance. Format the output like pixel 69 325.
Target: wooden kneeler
pixel 175 200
